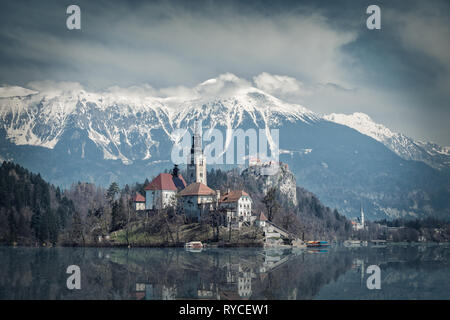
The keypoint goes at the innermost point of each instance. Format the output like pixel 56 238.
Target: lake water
pixel 410 271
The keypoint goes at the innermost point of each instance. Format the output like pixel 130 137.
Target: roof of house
pixel 138 197
pixel 166 181
pixel 197 189
pixel 233 196
pixel 262 217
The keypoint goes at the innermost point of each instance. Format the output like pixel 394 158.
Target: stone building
pixel 196 199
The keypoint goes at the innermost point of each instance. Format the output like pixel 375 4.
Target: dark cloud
pixel 320 46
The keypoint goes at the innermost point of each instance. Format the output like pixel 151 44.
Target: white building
pixel 261 221
pixel 161 192
pixel 139 202
pixel 238 205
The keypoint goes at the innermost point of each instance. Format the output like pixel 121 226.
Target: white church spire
pixel 196 168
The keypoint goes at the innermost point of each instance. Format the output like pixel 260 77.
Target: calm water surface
pixel 409 271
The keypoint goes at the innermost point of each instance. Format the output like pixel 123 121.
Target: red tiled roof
pixel 233 196
pixel 138 197
pixel 197 189
pixel 166 181
pixel 262 217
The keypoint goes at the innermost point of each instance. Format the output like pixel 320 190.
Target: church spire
pixel 196 168
pixel 362 215
pixel 197 137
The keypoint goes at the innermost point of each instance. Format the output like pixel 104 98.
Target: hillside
pixel 33 211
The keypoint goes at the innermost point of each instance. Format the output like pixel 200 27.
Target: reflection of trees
pixel 114 273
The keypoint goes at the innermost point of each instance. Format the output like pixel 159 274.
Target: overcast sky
pixel 316 53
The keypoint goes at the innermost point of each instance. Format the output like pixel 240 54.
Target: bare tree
pixel 271 203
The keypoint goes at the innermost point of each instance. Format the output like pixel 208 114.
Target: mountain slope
pixel 432 154
pixel 71 135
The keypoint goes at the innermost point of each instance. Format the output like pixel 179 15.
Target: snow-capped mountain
pixel 69 134
pixel 124 127
pixel 432 154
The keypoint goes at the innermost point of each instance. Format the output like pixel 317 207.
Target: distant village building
pixel 197 198
pixel 359 224
pixel 238 206
pixel 196 167
pixel 139 202
pixel 161 192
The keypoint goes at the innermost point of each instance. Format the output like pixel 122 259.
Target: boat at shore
pixel 313 244
pixel 355 243
pixel 194 245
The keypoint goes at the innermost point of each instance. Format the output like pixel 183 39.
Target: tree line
pixel 35 212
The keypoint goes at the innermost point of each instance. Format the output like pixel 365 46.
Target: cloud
pixel 319 54
pixel 15 91
pixel 280 85
pixel 424 29
pixel 169 45
pixel 54 88
pixel 292 90
pixel 138 91
pixel 224 85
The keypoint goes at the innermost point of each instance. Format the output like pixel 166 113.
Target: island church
pixel 195 197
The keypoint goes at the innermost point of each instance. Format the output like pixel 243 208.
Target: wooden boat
pixel 193 245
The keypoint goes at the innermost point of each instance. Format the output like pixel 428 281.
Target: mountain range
pixel 69 134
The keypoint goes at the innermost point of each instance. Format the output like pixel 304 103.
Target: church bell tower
pixel 196 168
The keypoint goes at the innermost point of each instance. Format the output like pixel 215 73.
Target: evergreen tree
pixel 112 191
pixel 118 217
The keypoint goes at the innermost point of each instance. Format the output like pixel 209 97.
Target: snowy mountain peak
pixel 407 148
pixel 118 119
pixel 362 123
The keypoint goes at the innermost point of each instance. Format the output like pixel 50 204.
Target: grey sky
pixel 321 51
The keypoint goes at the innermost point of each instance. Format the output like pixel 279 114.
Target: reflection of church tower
pixel 196 168
pixel 362 216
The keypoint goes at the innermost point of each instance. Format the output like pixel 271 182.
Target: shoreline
pixel 137 245
pixel 207 245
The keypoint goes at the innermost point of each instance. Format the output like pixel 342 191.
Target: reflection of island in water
pixel 238 274
pixel 408 272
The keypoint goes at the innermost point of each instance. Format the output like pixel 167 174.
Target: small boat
pixel 317 250
pixel 310 244
pixel 193 245
pixel 355 243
